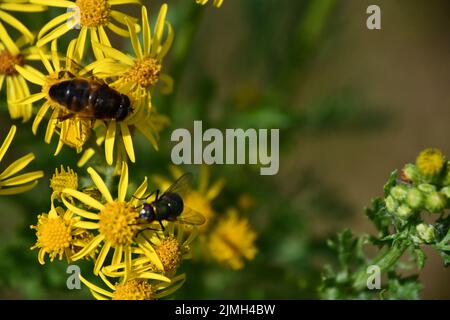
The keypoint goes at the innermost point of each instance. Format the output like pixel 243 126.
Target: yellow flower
pixel 115 220
pixel 430 162
pixel 135 289
pixel 55 234
pixel 89 15
pixel 216 3
pixel 199 198
pixel 17 6
pixel 14 55
pixel 231 242
pixel 138 74
pixel 10 184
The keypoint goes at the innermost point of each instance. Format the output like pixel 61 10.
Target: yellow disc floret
pixel 94 13
pixel 64 179
pixel 134 290
pixel 430 162
pixel 145 72
pixel 118 223
pixel 8 62
pixel 169 252
pixel 53 235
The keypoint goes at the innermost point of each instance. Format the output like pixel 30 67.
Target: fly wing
pixel 181 186
pixel 190 216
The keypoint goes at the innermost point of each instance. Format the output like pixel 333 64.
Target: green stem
pixel 385 261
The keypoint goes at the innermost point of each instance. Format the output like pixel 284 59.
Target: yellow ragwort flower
pixel 216 3
pixel 199 198
pixel 115 220
pixel 14 55
pixel 430 162
pixel 89 15
pixel 138 74
pixel 135 289
pixel 9 182
pixel 55 234
pixel 231 242
pixel 17 6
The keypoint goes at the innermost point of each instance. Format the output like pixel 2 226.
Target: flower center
pixel 430 162
pixel 94 13
pixel 169 252
pixel 64 179
pixel 8 62
pixel 118 223
pixel 134 290
pixel 145 72
pixel 53 234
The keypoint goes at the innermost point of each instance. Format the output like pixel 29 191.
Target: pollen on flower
pixel 64 179
pixel 53 235
pixel 118 223
pixel 169 252
pixel 145 72
pixel 94 13
pixel 430 162
pixel 134 290
pixel 8 62
pixel 232 241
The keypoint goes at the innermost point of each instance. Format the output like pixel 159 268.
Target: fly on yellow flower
pixel 9 183
pixel 114 219
pixel 135 289
pixel 89 15
pixel 73 132
pixel 17 6
pixel 13 55
pixel 216 3
pixel 138 74
pixel 200 198
pixel 231 242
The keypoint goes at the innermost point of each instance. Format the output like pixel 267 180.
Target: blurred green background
pixel 351 104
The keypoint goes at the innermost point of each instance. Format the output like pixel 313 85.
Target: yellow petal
pixel 31 74
pixel 139 193
pixel 39 116
pixel 82 213
pixel 101 257
pixel 146 31
pixel 15 190
pixel 80 44
pixel 159 29
pixel 56 33
pixel 84 198
pixel 100 184
pixel 13 22
pixel 167 44
pixel 22 179
pixel 86 225
pixel 103 36
pixel 17 166
pixel 85 157
pixel 9 43
pixel 7 142
pixel 89 247
pixel 134 39
pixel 117 257
pixel 98 53
pixel 117 2
pixel 54 3
pixel 118 30
pixel 116 54
pixel 94 288
pixel 123 183
pixel 33 98
pixel 109 143
pixel 127 141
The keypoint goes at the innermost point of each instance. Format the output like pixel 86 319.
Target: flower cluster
pixel 134 258
pixel 422 186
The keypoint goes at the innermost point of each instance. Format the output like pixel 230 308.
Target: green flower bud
pixel 426 187
pixel 391 204
pixel 435 202
pixel 414 198
pixel 404 212
pixel 446 191
pixel 410 172
pixel 425 232
pixel 399 192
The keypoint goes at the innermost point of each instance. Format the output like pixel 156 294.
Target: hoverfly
pixel 89 98
pixel 169 206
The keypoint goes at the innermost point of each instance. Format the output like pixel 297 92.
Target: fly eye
pixel 143 213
